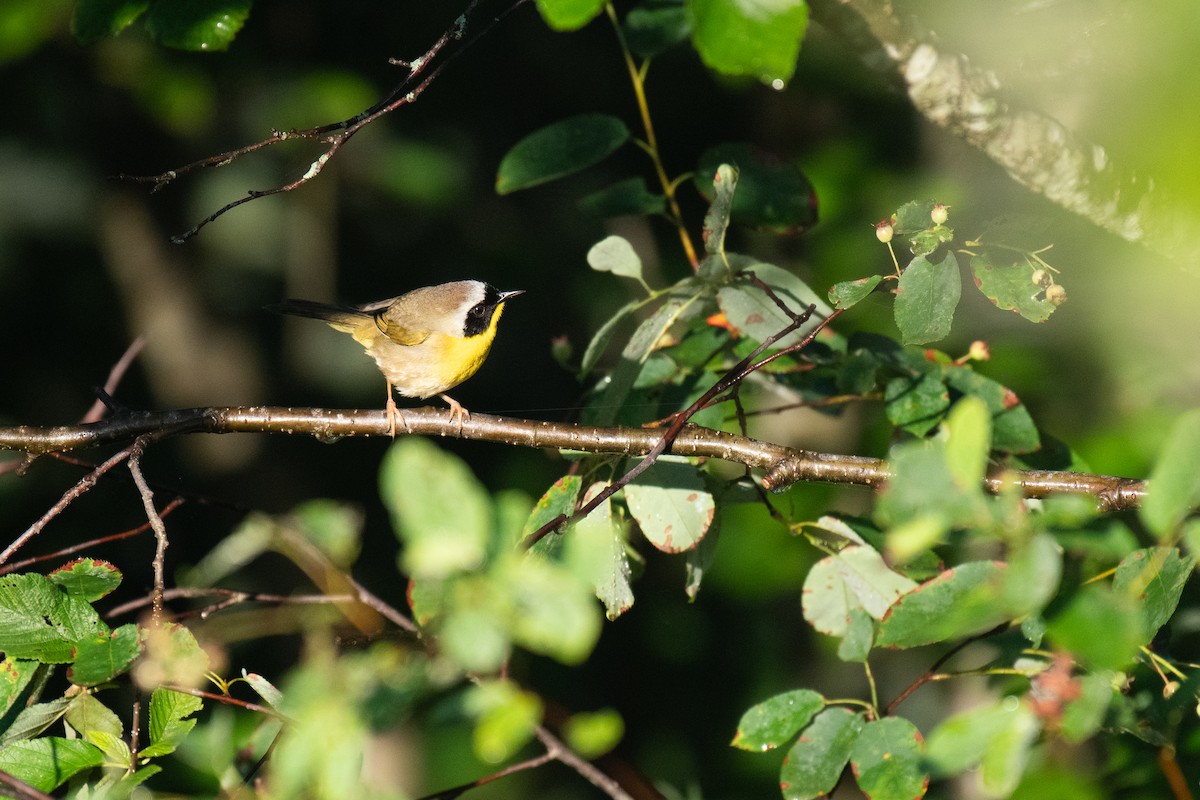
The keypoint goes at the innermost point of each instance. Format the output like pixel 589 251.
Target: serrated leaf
pixel 40 621
pixel 558 150
pixel 960 602
pixel 50 761
pixel 848 293
pixel 616 255
pixel 926 297
pixel 15 677
pixel 34 719
pixel 815 762
pixel 439 510
pixel 1010 287
pixel 569 15
pixel 103 656
pixel 774 721
pixel 771 193
pixel 749 37
pixel 169 723
pixel 916 403
pixel 93 20
pixel 671 504
pixel 595 549
pixel 625 198
pixel 86 578
pixel 652 27
pixel 751 311
pixel 1154 578
pixel 205 25
pixel 887 760
pixel 1174 487
pixel 87 715
pixel 856 577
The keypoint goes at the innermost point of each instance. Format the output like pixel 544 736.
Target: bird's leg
pixel 457 412
pixel 393 413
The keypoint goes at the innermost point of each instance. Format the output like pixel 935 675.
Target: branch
pixel 333 135
pixel 784 465
pixel 1038 151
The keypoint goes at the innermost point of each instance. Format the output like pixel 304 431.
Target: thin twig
pixel 226 699
pixel 932 674
pixel 19 789
pixel 114 379
pixel 587 770
pixel 156 523
pixel 85 483
pixel 231 597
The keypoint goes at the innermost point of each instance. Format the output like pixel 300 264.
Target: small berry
pixel 1170 688
pixel 940 214
pixel 1041 278
pixel 884 231
pixel 979 351
pixel 1056 294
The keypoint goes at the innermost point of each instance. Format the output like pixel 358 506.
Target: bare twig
pixel 85 483
pixel 784 465
pixel 333 135
pixel 226 699
pixel 231 597
pixel 19 789
pixel 156 523
pixel 114 379
pixel 587 770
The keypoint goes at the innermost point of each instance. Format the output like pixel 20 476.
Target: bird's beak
pixel 505 295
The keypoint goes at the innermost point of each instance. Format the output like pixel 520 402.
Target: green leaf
pixel 774 721
pixel 656 25
pixel 916 403
pixel 716 220
pixel 699 559
pixel 50 761
pixel 40 621
pixel 600 340
pixel 560 149
pixel 1033 575
pixel 1084 715
pixel 751 311
pixel 1010 287
pixel 860 637
pixel 671 505
pixel 15 677
pixel 86 578
pixel 616 255
pixel 169 723
pixel 87 715
pixel 1098 609
pixel 926 297
pixel 1154 579
pixel 815 762
pixel 265 689
pixel 335 528
pixel 473 635
pixel 848 293
pixel 1174 487
pixel 93 20
pixel 197 24
pixel 886 759
pixel 968 441
pixel 629 197
pixel 771 194
pixel 440 511
pixel 34 719
pixel 505 719
pixel 592 734
pixel 595 550
pixel 959 602
pixel 913 217
pixel 1013 430
pixel 856 577
pixel 750 37
pixel 550 609
pixel 998 736
pixel 103 656
pixel 559 500
pixel 569 15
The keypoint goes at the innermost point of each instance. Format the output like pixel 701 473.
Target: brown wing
pixel 400 319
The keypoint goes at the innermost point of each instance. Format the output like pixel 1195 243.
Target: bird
pixel 426 341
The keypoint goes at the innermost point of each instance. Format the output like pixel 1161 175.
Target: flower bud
pixel 979 351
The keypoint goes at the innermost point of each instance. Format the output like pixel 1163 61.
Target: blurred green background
pixel 86 266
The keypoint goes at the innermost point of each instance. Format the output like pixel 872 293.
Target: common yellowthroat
pixel 425 342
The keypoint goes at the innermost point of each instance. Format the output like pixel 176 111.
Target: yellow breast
pixel 436 365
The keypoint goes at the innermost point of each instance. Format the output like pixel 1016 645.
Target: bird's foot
pixel 457 412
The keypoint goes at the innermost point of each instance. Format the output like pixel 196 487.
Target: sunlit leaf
pixel 750 37
pixel 50 761
pixel 197 24
pixel 848 293
pixel 774 721
pixel 592 734
pixel 815 762
pixel 926 297
pixel 960 602
pixel 1010 287
pixel 887 760
pixel 39 620
pixel 1174 487
pixel 104 656
pixel 87 578
pixel 1154 577
pixel 856 577
pixel 616 255
pixel 671 505
pixel 1099 609
pixel 93 20
pixel 569 15
pixel 750 310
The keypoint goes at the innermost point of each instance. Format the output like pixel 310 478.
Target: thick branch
pixel 783 465
pixel 1036 150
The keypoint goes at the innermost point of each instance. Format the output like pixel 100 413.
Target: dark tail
pixel 333 314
